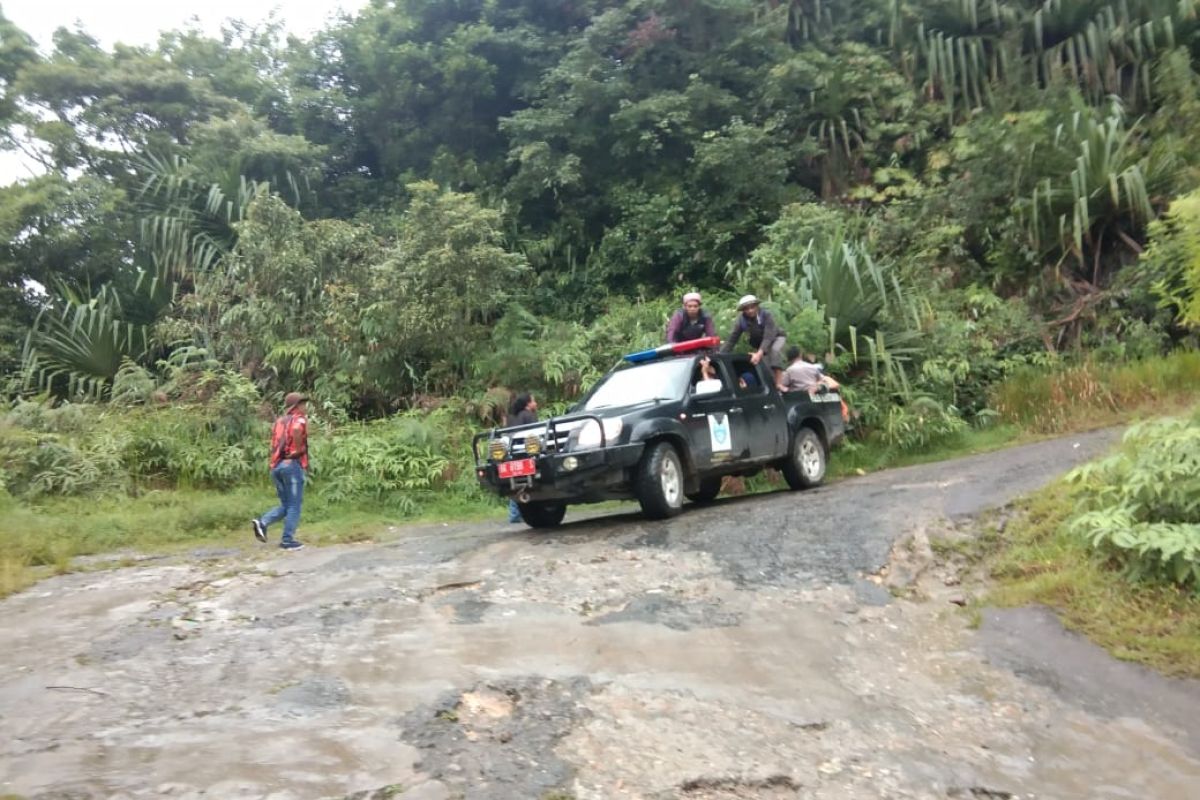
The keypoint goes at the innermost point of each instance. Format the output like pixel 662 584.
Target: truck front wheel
pixel 805 464
pixel 659 482
pixel 542 515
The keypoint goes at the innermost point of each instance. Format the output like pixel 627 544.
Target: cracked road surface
pixel 740 650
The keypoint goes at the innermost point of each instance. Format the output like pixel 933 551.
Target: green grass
pixel 1037 561
pixel 43 538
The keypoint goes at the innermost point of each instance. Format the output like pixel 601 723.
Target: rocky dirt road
pixel 743 650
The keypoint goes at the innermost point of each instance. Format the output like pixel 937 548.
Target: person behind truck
pixel 523 411
pixel 690 322
pixel 765 337
pixel 801 375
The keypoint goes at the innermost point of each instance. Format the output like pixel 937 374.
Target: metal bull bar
pixel 550 426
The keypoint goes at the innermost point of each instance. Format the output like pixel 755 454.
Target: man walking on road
pixel 289 465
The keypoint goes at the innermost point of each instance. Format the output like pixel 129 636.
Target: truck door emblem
pixel 718 433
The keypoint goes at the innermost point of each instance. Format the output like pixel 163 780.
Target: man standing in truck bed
pixel 766 339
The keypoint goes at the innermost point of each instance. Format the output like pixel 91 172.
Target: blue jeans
pixel 288 477
pixel 514 513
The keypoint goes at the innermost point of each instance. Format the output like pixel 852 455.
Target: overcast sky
pixel 140 21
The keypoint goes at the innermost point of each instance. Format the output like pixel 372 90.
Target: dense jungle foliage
pixel 429 206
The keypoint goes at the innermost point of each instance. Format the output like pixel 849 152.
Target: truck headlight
pixel 589 434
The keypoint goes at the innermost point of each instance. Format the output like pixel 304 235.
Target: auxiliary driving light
pixel 570 463
pixel 498 449
pixel 533 445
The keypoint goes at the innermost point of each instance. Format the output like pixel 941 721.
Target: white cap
pixel 747 300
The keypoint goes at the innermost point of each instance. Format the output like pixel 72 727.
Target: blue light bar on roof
pixel 708 342
pixel 645 355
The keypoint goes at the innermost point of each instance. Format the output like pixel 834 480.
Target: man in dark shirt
pixel 690 322
pixel 767 340
pixel 523 411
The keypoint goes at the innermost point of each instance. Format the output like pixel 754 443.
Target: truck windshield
pixel 659 380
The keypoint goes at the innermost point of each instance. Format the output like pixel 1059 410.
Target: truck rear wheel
pixel 805 464
pixel 659 482
pixel 707 492
pixel 542 515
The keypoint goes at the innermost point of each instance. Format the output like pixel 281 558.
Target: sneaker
pixel 292 545
pixel 260 530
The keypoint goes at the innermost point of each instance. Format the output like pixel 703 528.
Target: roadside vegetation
pixel 1114 548
pixel 983 218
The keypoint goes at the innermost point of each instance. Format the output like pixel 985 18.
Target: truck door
pixel 755 396
pixel 716 423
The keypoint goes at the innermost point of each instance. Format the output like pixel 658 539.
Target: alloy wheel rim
pixel 669 476
pixel 810 459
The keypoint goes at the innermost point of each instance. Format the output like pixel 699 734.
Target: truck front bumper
pixel 597 473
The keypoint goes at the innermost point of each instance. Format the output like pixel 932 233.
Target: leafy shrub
pixel 1142 505
pixel 48 450
pixel 132 385
pixel 1173 258
pixel 919 424
pixel 832 271
pixel 386 461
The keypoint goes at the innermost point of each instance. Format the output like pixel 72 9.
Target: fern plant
pixel 1142 505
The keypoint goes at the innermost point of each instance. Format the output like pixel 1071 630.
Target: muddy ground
pixel 755 648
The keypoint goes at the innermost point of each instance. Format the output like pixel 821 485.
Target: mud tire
pixel 659 482
pixel 807 460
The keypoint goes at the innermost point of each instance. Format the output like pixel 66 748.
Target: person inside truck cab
pixel 766 339
pixel 689 322
pixel 706 370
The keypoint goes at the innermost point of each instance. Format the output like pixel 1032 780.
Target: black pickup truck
pixel 657 430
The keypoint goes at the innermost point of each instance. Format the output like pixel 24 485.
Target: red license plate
pixel 516 469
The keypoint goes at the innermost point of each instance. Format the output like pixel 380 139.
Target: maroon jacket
pixel 683 329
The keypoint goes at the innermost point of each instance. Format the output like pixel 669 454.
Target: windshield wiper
pixel 631 403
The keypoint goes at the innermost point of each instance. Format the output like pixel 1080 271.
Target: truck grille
pixel 557 444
